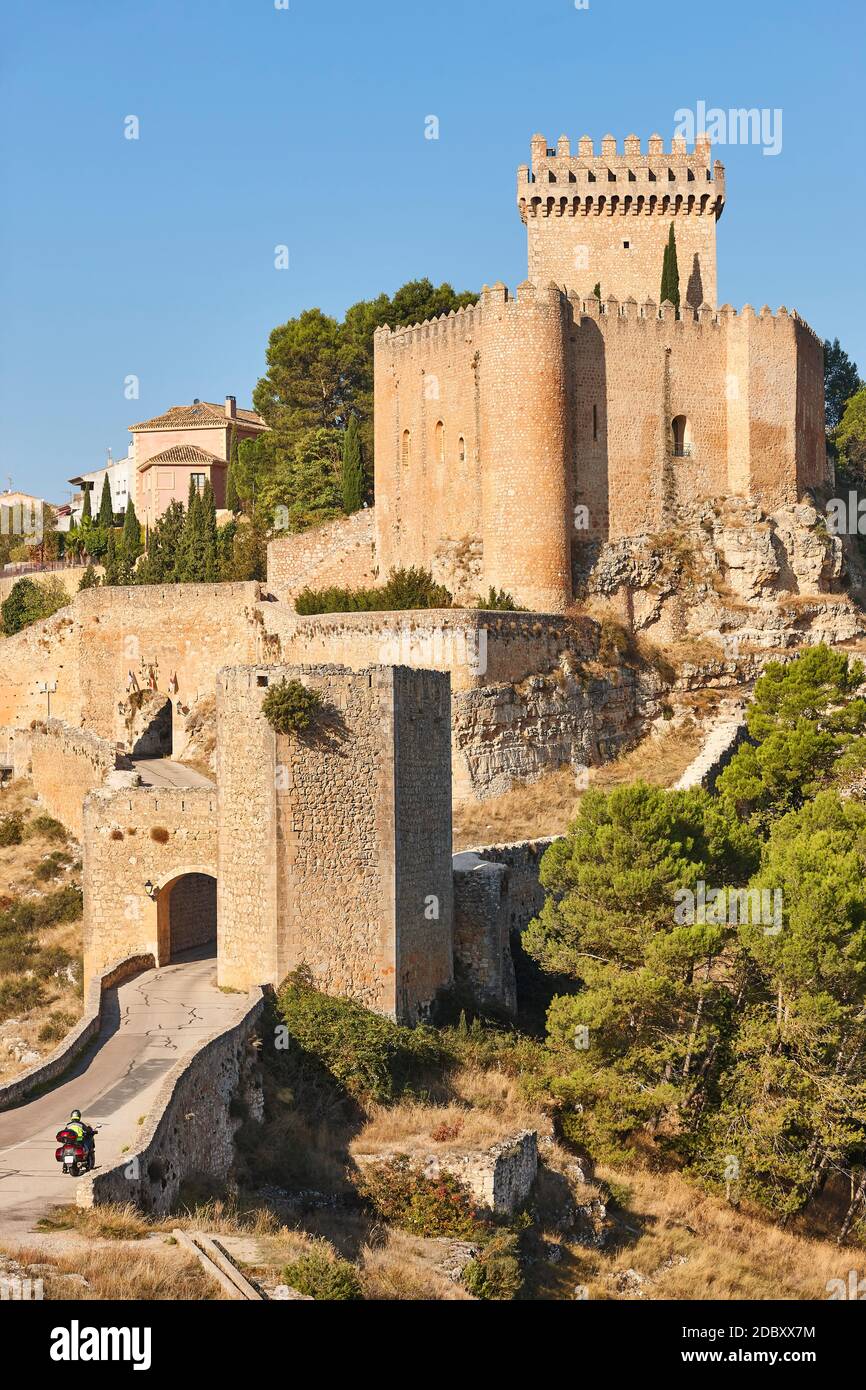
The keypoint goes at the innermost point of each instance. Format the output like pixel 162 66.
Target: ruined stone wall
pixel 65 765
pixel 44 652
pixel 311 867
pixel 191 1127
pixel 133 835
pixel 341 553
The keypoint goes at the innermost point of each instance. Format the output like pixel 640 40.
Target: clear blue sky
pixel 305 127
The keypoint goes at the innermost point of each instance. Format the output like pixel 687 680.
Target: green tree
pixel 849 437
pixel 29 600
pixel 352 472
pixel 112 561
pixel 131 545
pixel 805 722
pixel 670 289
pixel 106 508
pixel 233 503
pixel 86 505
pixel 644 1029
pixel 162 559
pixel 209 534
pixel 89 579
pixel 841 381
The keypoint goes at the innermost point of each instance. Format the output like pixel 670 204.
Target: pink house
pixel 188 441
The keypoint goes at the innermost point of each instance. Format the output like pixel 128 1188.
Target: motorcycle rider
pixel 83 1133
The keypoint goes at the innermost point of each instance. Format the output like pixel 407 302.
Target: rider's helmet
pixel 76 1115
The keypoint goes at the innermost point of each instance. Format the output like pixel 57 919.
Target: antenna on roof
pixel 196 401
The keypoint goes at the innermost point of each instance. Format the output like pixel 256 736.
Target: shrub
pixel 369 1056
pixel 159 834
pixel 89 579
pixel 20 995
pixel 402 1195
pixel 51 960
pixel 28 914
pixel 323 1276
pixel 17 954
pixel 49 829
pixel 406 588
pixel 499 600
pixel 56 1027
pixel 495 1273
pixel 29 601
pixel 290 708
pixel 12 829
pixel 51 866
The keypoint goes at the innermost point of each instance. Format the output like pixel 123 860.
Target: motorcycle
pixel 76 1156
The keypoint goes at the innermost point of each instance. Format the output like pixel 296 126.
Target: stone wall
pixel 497 893
pixel 332 844
pixel 69 577
pixel 191 1127
pixel 65 765
pixel 132 836
pixel 341 553
pixel 192 911
pixel 108 642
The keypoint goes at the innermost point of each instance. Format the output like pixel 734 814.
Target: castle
pixel 534 428
pixel 514 439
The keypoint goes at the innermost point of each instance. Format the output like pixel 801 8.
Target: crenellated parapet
pixel 630 181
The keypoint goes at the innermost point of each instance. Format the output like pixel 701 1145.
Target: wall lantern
pixel 149 889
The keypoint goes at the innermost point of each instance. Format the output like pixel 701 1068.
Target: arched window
pixel 681 436
pixel 440 441
pixel 406 448
pixel 461 449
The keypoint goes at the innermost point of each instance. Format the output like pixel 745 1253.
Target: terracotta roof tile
pixel 199 415
pixel 183 453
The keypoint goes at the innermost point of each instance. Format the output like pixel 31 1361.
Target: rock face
pixel 732 572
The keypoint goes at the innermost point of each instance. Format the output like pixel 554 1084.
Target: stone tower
pixel 603 219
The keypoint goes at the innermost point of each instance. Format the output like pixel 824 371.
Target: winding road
pixel 149 1023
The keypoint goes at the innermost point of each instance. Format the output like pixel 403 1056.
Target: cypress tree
pixel 670 272
pixel 209 534
pixel 86 505
pixel 597 290
pixel 112 568
pixel 106 510
pixel 352 473
pixel 130 539
pixel 233 501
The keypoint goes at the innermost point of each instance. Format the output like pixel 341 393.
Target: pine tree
pixel 106 509
pixel 670 272
pixel 352 475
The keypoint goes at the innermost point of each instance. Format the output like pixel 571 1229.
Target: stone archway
pixel 186 913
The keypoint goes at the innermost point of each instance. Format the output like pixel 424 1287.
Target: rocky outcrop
pixel 733 573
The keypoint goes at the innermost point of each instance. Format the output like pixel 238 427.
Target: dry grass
pixel 64 1000
pixel 547 807
pixel 163 1272
pixel 688 1245
pixel 487 1108
pixel 403 1268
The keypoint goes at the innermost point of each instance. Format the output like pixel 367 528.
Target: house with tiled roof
pixel 187 442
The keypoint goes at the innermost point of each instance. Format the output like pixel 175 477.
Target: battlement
pixel 559 182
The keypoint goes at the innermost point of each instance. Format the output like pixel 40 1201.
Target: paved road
pixel 150 1022
pixel 162 772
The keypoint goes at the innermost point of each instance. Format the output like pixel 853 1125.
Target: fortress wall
pixel 65 765
pixel 121 855
pixel 476 646
pixel 341 553
pixel 526 424
pixel 70 577
pixel 428 503
pixel 329 802
pixel 650 369
pixel 47 651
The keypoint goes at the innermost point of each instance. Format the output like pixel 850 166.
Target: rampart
pixel 190 1130
pixel 340 553
pixel 65 764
